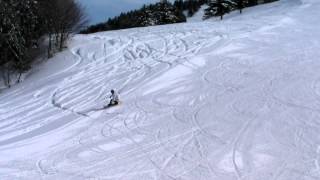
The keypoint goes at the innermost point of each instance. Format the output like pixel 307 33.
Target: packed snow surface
pixel 237 99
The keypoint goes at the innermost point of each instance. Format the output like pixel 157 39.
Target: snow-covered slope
pixel 230 100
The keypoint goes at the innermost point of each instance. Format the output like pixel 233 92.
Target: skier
pixel 114 98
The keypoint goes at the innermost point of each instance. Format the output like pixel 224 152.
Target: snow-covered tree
pixel 149 15
pixel 18 29
pixel 23 23
pixel 162 13
pixel 218 8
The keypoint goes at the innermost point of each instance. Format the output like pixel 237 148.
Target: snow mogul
pixel 114 98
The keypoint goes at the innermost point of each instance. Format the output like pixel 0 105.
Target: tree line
pixel 222 7
pixel 31 28
pixel 165 12
pixel 154 14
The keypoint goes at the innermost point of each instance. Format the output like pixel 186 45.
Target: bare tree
pixel 24 22
pixel 62 18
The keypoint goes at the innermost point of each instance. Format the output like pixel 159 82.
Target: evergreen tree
pixel 165 13
pixel 241 4
pixel 218 8
pixel 178 4
pixel 252 3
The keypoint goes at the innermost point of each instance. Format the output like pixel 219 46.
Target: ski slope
pixel 237 99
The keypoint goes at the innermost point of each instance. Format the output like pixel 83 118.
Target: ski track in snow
pixel 232 100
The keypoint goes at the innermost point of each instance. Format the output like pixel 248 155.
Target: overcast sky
pixel 101 10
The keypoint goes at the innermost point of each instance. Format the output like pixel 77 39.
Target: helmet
pixel 112 91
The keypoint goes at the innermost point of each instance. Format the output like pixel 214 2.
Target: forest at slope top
pixel 166 12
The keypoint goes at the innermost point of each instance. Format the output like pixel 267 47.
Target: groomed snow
pixel 237 99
